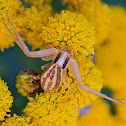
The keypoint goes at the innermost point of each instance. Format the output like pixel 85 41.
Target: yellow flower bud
pixel 28 82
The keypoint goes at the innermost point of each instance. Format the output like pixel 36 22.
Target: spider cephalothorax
pixel 55 72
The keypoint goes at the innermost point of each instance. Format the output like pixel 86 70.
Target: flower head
pixel 110 58
pixel 102 22
pixel 98 115
pixel 14 121
pixel 51 109
pixel 118 25
pixel 28 82
pixel 69 30
pixel 33 21
pixel 110 55
pixel 27 22
pixel 101 111
pixel 14 8
pixel 5 99
pixel 92 9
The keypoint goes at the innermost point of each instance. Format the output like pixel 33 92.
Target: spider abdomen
pixel 51 77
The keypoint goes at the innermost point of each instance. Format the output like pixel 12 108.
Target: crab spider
pixel 55 72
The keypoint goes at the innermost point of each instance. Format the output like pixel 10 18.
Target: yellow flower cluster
pixel 100 113
pixel 110 58
pixel 5 99
pixel 110 55
pixel 27 21
pixel 69 30
pixel 14 121
pixel 48 109
pixel 98 116
pixel 14 8
pixel 102 22
pixel 92 9
pixel 118 25
pixel 33 22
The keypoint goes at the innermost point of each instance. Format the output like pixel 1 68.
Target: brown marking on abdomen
pixel 58 79
pixel 50 82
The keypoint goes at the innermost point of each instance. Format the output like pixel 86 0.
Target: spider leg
pixel 42 45
pixel 64 48
pixel 47 58
pixel 44 66
pixel 64 80
pixel 75 70
pixel 22 45
pixel 18 43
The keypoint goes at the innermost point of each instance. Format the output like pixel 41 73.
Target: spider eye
pixel 65 62
pixel 57 57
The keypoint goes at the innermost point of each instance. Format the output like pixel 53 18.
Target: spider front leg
pixel 75 70
pixel 22 45
pixel 44 66
pixel 47 58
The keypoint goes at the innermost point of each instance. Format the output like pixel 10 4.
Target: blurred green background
pixel 115 2
pixel 13 60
